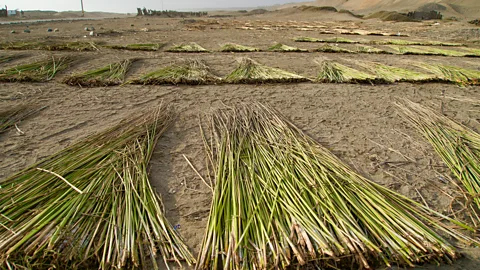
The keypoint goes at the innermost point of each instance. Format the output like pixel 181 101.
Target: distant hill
pixel 457 8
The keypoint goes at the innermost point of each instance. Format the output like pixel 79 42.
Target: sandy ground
pixel 357 122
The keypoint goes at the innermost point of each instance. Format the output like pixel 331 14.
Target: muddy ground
pixel 359 123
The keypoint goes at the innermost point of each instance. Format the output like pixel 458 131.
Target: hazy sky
pixel 129 6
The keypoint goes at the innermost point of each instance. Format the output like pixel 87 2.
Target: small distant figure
pixel 55 30
pixel 13 31
pixel 22 13
pixel 49 30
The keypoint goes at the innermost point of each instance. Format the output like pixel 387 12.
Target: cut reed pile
pixel 370 49
pixel 456 144
pixel 307 39
pixel 191 47
pixel 251 72
pixel 231 47
pixel 472 52
pixel 438 51
pixel 427 50
pixel 333 49
pixel 282 200
pixel 395 42
pixel 333 72
pixel 91 205
pixel 13 116
pixel 22 45
pixel 399 42
pixel 353 33
pixel 452 74
pixel 112 74
pixel 50 46
pixel 377 33
pixel 137 47
pixel 279 47
pixel 390 74
pixel 330 40
pixel 410 42
pixel 188 72
pixel 40 71
pixel 340 40
pixel 409 50
pixel 441 43
pixel 71 46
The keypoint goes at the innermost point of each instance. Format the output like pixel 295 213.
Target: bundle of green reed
pixel 443 52
pixel 340 40
pixel 112 74
pixel 191 47
pixel 376 33
pixel 91 205
pixel 22 45
pixel 441 43
pixel 12 116
pixel 40 71
pixel 409 50
pixel 453 74
pixel 370 49
pixel 333 72
pixel 401 42
pixel 71 46
pixel 456 144
pixel 279 47
pixel 50 46
pixel 307 39
pixel 427 50
pixel 333 49
pixel 282 200
pixel 472 52
pixel 231 47
pixel 193 72
pixel 390 74
pixel 137 47
pixel 251 72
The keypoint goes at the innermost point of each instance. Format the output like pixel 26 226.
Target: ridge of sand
pixel 458 8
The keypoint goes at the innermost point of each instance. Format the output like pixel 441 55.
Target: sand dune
pixel 458 8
